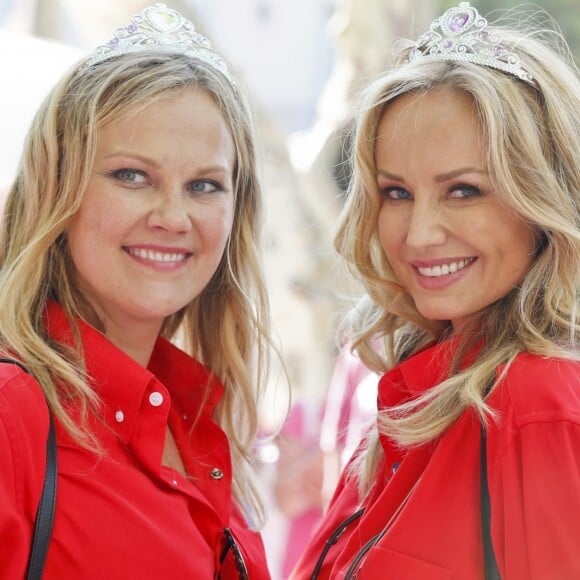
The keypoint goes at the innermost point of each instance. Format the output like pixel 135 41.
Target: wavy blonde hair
pixel 532 137
pixel 226 327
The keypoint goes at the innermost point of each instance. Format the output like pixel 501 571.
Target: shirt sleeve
pixel 23 430
pixel 536 516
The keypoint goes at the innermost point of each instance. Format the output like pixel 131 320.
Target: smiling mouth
pixel 445 269
pixel 165 257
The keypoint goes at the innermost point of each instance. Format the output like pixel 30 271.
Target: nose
pixel 427 226
pixel 171 212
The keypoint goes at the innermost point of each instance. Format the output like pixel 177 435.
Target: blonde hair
pixel 532 136
pixel 226 327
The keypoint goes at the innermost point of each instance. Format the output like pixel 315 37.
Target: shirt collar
pixel 421 371
pixel 121 382
pixel 193 386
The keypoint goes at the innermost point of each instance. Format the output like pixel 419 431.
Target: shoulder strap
pixel 46 506
pixel 45 511
pixel 490 563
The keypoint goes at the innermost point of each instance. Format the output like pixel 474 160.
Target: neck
pixel 136 342
pixel 135 338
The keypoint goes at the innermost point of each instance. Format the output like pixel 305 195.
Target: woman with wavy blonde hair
pixel 463 226
pixel 133 224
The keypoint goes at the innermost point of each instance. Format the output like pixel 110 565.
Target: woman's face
pixel 157 212
pixel 451 242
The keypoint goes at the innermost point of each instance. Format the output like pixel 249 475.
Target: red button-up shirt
pixel 533 475
pixel 124 515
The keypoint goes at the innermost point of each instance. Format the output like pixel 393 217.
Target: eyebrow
pixel 150 161
pixel 440 178
pixel 136 156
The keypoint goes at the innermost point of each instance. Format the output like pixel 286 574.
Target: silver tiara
pixel 160 28
pixel 462 34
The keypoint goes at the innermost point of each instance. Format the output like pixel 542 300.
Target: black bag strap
pixel 46 506
pixel 490 563
pixel 45 511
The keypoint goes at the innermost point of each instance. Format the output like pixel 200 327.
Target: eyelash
pixel 470 190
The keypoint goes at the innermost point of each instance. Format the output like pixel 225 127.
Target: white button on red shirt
pixel 156 399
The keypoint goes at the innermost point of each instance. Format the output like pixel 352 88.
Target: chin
pixel 158 312
pixel 439 314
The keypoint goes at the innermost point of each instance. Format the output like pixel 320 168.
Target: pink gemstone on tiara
pixel 458 21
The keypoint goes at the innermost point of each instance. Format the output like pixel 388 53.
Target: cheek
pixel 92 227
pixel 95 233
pixel 391 233
pixel 79 234
pixel 512 238
pixel 217 226
pixel 520 250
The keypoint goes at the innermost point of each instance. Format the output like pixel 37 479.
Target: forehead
pixel 429 133
pixel 183 128
pixel 443 115
pixel 437 104
pixel 150 101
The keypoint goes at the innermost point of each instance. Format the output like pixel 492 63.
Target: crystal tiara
pixel 462 34
pixel 164 29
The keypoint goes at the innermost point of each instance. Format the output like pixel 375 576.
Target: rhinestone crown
pixel 160 28
pixel 462 34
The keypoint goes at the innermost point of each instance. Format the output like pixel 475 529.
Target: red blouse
pixel 425 503
pixel 124 515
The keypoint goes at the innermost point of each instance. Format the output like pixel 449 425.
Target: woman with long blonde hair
pixel 132 227
pixel 463 225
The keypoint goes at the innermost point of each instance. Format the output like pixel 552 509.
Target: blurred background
pixel 303 62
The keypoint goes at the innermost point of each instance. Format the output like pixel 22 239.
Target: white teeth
pixel 156 256
pixel 445 269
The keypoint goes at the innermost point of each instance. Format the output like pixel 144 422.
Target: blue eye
pixel 205 186
pixel 395 193
pixel 129 175
pixel 463 191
